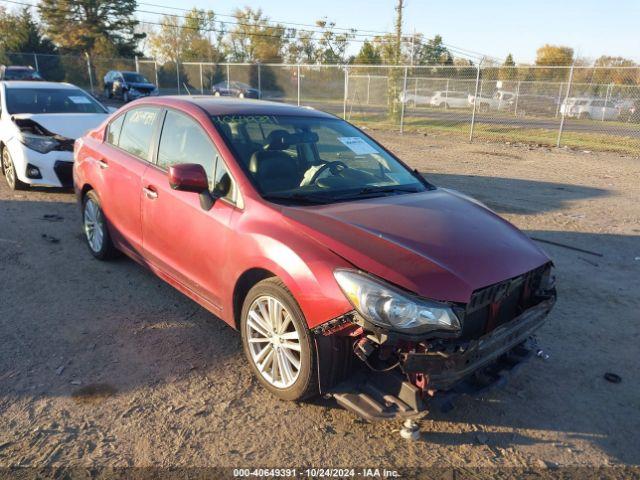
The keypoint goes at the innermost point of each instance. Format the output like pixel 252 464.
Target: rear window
pixel 50 100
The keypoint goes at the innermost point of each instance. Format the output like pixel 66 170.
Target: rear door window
pixel 137 131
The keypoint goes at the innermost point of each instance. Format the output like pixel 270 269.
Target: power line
pixel 457 50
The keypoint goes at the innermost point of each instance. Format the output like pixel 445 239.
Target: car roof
pixel 38 85
pixel 236 106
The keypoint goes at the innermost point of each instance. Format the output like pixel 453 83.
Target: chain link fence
pixel 582 107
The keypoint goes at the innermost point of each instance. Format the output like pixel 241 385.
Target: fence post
pixel 137 64
pixel 259 82
pixel 564 110
pixel 89 70
pixel 228 74
pixel 298 84
pixel 404 91
pixel 368 86
pixel 446 95
pixel 559 98
pixel 35 59
pixel 515 110
pixel 346 92
pixel 155 70
pixel 178 74
pixel 475 101
pixel 201 81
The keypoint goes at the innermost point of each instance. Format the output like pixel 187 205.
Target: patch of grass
pixel 510 133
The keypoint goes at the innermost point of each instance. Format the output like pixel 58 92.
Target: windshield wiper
pixel 370 191
pixel 298 198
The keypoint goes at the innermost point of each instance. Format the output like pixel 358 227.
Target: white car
pixel 449 99
pixel 416 97
pixel 500 100
pixel 589 108
pixel 39 123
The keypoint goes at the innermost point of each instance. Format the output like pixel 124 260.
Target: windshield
pixel 50 100
pixel 134 78
pixel 313 160
pixel 21 74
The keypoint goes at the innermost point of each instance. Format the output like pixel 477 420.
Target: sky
pixel 492 27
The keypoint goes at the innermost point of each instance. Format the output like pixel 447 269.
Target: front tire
pixel 107 92
pixel 95 229
pixel 277 342
pixel 125 96
pixel 9 171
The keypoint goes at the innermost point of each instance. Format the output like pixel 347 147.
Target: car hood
pixel 70 125
pixel 438 244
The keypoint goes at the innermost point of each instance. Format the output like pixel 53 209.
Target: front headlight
pixel 38 143
pixel 389 307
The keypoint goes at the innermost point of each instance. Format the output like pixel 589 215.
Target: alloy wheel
pixel 274 341
pixel 9 170
pixel 93 225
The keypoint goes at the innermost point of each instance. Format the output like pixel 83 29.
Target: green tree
pixel 255 39
pixel 433 53
pixel 22 34
pixel 93 27
pixel 188 39
pixel 333 45
pixel 508 70
pixel 368 54
pixel 616 70
pixel 303 49
pixel 553 55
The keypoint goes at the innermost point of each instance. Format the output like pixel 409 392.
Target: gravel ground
pixel 102 364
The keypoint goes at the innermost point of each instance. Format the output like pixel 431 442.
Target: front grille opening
pixel 500 303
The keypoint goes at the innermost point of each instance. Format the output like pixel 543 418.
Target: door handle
pixel 150 192
pixel 103 164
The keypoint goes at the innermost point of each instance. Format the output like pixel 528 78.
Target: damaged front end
pixel 36 137
pixel 381 373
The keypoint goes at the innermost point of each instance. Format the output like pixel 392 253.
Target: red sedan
pixel 345 271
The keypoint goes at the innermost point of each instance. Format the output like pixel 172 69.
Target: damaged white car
pixel 39 123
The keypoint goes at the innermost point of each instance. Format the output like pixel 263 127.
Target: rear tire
pixel 95 228
pixel 277 342
pixel 125 96
pixel 9 172
pixel 107 92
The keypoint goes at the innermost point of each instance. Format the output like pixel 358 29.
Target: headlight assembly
pixel 390 307
pixel 39 143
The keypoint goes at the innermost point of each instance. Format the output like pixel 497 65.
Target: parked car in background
pixel 234 89
pixel 128 85
pixel 589 108
pixel 416 97
pixel 334 259
pixel 500 100
pixel 19 73
pixel 39 123
pixel 449 99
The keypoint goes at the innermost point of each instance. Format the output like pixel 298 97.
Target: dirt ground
pixel 103 364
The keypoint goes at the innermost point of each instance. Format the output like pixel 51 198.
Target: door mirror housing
pixel 191 177
pixel 188 177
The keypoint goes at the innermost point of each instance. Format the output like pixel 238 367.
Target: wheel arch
pixel 244 283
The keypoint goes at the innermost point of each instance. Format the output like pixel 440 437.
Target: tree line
pixel 110 29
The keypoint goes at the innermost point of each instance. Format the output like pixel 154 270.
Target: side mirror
pixel 191 177
pixel 188 177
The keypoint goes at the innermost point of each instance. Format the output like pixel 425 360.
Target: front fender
pixel 305 267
